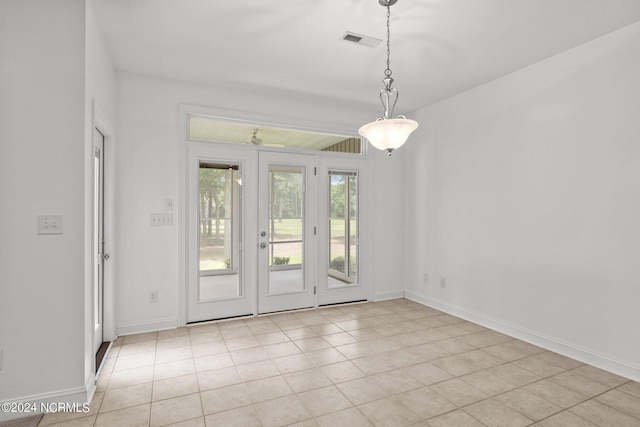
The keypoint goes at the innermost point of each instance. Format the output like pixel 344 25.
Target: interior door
pixel 220 272
pixel 98 239
pixel 286 231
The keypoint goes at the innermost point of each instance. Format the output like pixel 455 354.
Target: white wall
pixel 100 104
pixel 525 194
pixel 148 165
pixel 42 65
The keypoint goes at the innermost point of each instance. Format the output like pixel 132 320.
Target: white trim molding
pixel 584 355
pixel 143 327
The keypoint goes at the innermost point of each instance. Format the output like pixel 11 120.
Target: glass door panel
pixel 219 237
pixel 287 217
pixel 343 228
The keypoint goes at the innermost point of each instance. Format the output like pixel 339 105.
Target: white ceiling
pixel 438 47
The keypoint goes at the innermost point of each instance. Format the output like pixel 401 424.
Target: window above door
pixel 209 129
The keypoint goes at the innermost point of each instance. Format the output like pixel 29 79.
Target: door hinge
pixel 315 230
pixel 315 170
pixel 314 290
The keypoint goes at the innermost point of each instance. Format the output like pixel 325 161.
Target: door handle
pixel 263 245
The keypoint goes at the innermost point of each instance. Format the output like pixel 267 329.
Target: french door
pixel 286 231
pixel 266 232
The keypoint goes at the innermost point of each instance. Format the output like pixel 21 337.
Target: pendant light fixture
pixel 388 133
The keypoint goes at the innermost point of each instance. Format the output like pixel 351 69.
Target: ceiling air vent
pixel 360 39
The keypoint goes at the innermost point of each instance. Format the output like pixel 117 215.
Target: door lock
pixel 263 233
pixel 263 245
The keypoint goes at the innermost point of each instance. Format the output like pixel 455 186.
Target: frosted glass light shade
pixel 388 134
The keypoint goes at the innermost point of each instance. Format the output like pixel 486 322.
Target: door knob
pixel 263 245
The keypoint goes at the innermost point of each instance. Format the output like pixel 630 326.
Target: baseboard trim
pixel 382 296
pixel 585 355
pixel 71 396
pixel 150 326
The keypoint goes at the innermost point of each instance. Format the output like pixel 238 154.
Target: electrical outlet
pixel 425 278
pixel 443 282
pixel 153 296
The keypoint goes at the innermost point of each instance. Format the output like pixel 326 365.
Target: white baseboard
pixel 382 296
pixel 150 326
pixel 584 355
pixel 36 402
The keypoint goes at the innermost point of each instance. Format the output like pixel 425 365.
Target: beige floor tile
pixel 342 371
pixel 293 363
pixel 174 387
pixel 213 361
pixel 514 374
pixel 172 333
pixel 340 338
pixel 242 343
pixel 249 355
pixel 452 345
pixel 565 419
pixel 135 361
pixel 493 413
pixel 457 418
pixel 601 376
pixel 351 417
pixel 426 402
pixel 327 329
pixel 281 349
pixel 582 385
pixel 308 379
pixel 267 389
pixel 458 392
pixel 357 349
pixel 264 328
pixel 137 416
pixel 224 399
pixel 174 354
pixel 137 348
pixel 126 397
pixel 194 422
pixel 326 356
pixel 427 373
pixel 148 336
pixel 528 404
pixel 323 401
pixel 131 377
pixel 362 390
pixel 388 412
pixel 397 381
pixel 555 393
pixel 209 349
pixel 559 360
pixel 76 422
pixel 235 333
pixel 258 370
pixel 174 369
pixel 173 342
pixel 621 401
pixel 603 415
pixel 374 364
pixel 300 333
pixel 240 417
pixel 202 328
pixel 488 383
pixel 632 388
pixel 311 344
pixel 175 410
pixel 218 378
pixel 272 338
pixel 281 412
pixel 507 351
pixel 206 338
pixel 457 365
pixel 539 367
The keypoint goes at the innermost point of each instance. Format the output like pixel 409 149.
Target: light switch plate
pixel 49 224
pixel 161 219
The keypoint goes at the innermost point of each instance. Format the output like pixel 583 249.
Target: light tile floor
pixel 392 363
